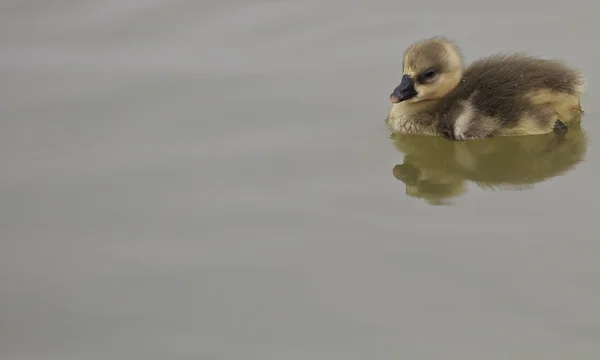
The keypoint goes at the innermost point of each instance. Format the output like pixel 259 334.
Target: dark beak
pixel 404 91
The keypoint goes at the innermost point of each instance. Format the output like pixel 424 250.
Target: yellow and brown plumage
pixel 500 95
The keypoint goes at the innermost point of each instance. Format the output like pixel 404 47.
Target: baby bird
pixel 501 95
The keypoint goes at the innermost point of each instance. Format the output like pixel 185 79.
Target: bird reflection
pixel 438 170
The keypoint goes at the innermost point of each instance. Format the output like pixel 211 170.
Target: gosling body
pixel 501 95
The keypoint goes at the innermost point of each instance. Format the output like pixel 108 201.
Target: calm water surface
pixel 214 180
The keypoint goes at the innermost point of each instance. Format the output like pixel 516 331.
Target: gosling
pixel 501 95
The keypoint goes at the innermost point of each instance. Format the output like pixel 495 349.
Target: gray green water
pixel 214 180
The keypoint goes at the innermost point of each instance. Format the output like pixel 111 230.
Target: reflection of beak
pixel 407 173
pixel 404 91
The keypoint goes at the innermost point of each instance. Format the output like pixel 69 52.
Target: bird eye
pixel 429 74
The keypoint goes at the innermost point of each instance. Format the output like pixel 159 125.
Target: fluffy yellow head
pixel 431 69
